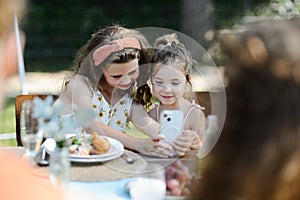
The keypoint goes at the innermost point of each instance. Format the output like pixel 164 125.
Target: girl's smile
pixel 122 75
pixel 168 85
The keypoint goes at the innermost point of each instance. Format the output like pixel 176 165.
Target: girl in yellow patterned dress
pixel 108 69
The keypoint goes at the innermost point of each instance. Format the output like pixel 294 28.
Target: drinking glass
pixel 30 135
pixel 211 135
pixel 150 185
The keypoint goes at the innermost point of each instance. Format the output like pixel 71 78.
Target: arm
pixel 149 126
pixel 143 121
pixel 80 94
pixel 192 138
pixel 200 127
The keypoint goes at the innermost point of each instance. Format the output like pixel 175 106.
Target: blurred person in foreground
pixel 258 153
pixel 17 179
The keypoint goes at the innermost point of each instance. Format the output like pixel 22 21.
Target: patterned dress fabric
pixel 114 116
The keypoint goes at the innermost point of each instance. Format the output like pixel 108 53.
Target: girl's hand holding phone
pixel 156 147
pixel 185 142
pixel 197 143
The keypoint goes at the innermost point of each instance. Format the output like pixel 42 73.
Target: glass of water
pixel 30 135
pixel 211 135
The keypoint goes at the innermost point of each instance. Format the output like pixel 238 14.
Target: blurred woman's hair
pixel 258 153
pixel 8 8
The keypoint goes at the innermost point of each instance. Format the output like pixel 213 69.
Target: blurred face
pixel 122 75
pixel 168 84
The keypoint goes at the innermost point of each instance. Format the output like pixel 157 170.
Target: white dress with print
pixel 114 116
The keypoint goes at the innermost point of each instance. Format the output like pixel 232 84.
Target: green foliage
pixel 232 13
pixel 56 29
pixel 248 12
pixel 229 12
pixel 276 8
pixel 9 142
pixel 8 123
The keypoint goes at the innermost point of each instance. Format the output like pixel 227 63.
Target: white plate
pixel 116 150
pixel 92 160
pixel 113 150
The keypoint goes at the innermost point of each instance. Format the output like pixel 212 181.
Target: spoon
pixel 128 159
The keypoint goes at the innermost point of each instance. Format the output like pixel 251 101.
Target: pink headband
pixel 103 52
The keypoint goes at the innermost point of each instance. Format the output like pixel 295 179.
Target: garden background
pixel 56 29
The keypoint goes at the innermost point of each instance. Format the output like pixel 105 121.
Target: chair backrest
pixel 18 105
pixel 204 99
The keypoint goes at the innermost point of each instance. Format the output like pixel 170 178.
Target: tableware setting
pixel 60 168
pixel 116 163
pixel 116 150
pixel 62 157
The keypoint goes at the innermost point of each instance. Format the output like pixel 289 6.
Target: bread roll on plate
pixel 100 143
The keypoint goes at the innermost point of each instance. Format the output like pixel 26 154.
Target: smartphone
pixel 171 124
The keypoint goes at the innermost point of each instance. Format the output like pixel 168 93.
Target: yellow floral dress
pixel 114 116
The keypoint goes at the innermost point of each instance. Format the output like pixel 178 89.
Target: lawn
pixel 8 124
pixel 8 117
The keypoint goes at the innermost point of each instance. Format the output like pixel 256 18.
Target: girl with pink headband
pixel 110 76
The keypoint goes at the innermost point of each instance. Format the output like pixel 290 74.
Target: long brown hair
pixel 105 36
pixel 258 153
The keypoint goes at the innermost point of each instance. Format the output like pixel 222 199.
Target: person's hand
pixel 197 143
pixel 185 142
pixel 154 147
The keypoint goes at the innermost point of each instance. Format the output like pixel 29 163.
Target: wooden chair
pixel 18 105
pixel 204 99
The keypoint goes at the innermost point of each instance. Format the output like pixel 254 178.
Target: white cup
pixel 147 189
